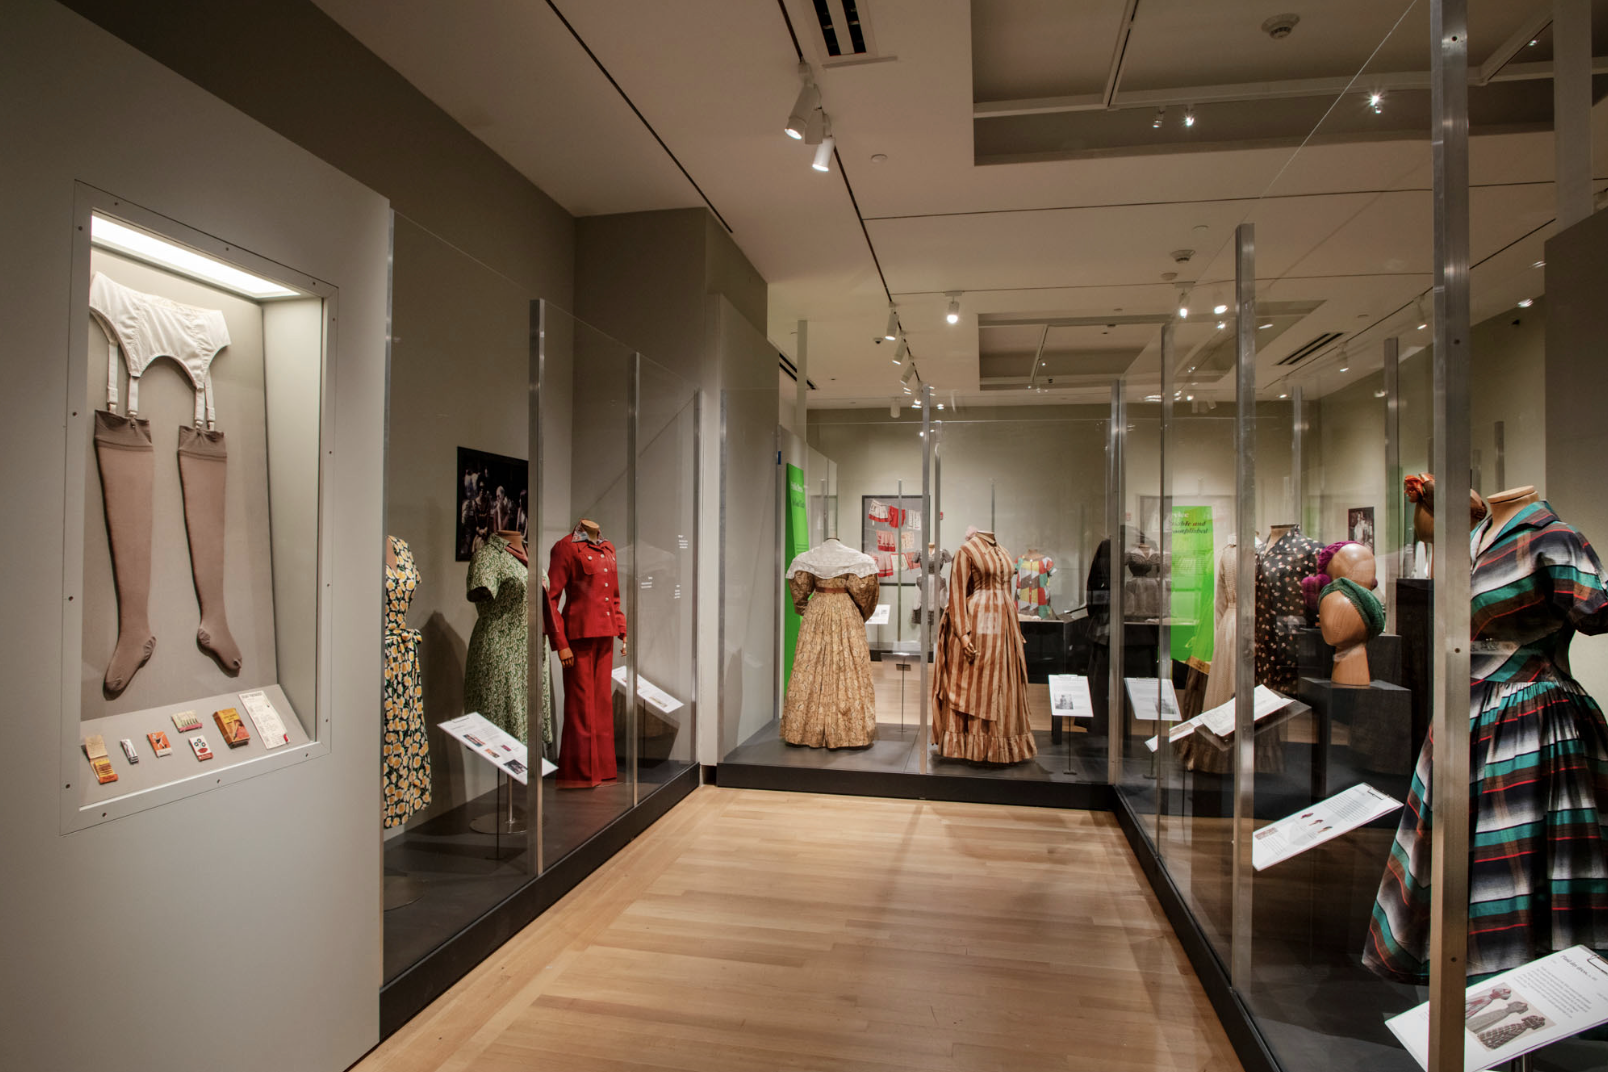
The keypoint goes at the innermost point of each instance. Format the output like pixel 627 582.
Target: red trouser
pixel 586 753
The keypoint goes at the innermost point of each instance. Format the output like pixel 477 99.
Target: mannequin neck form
pixel 593 530
pixel 1278 532
pixel 390 554
pixel 1505 506
pixel 515 538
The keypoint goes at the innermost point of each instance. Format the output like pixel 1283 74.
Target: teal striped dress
pixel 1538 860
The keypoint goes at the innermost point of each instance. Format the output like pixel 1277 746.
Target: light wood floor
pixel 748 931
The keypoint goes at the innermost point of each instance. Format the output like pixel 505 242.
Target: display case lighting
pixel 1526 303
pixel 109 234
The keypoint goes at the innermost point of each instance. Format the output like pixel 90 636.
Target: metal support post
pixel 1164 754
pixel 1116 632
pixel 1448 944
pixel 1391 539
pixel 924 576
pixel 1245 625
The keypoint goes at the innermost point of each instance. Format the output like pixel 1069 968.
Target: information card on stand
pixel 1323 821
pixel 648 692
pixel 1142 693
pixel 880 615
pixel 1511 1014
pixel 1220 719
pixel 1069 696
pixel 491 744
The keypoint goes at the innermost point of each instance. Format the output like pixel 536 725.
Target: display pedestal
pixel 1377 719
pixel 495 823
pixel 1315 657
pixel 1415 618
pixel 401 890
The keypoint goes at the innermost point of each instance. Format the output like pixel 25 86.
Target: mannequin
pixel 1349 615
pixel 831 699
pixel 1505 505
pixel 1420 490
pixel 495 676
pixel 516 543
pixel 583 570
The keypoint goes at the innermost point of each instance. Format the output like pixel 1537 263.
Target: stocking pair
pixel 127 466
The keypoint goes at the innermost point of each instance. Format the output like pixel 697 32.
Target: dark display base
pixel 1375 723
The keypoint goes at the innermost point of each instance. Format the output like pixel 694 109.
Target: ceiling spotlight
pixel 1221 324
pixel 809 100
pixel 940 405
pixel 899 354
pixel 1219 309
pixel 891 332
pixel 1539 264
pixel 1421 327
pixel 908 375
pixel 823 151
pixel 1526 303
pixel 1161 116
pixel 1183 305
pixel 1534 41
pixel 1376 101
pixel 1284 396
pixel 1344 369
pixel 1189 115
pixel 1264 327
pixel 953 313
pixel 916 404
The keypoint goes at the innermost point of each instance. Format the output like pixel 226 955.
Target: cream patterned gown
pixel 979 689
pixel 831 702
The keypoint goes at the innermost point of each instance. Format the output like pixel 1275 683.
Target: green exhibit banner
pixel 795 542
pixel 1193 590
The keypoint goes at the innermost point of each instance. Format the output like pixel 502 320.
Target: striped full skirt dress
pixel 1538 854
pixel 979 689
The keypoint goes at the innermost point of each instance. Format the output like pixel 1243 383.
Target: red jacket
pixel 588 577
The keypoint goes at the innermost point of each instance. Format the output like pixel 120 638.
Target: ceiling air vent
pixel 1311 348
pixel 845 30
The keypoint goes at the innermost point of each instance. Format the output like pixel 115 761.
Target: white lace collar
pixel 833 559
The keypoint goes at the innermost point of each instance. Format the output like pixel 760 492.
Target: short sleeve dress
pixel 1538 768
pixel 497 667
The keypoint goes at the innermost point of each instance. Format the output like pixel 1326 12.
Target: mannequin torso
pixel 1505 506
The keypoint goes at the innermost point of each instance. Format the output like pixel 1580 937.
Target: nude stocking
pixel 123 450
pixel 202 457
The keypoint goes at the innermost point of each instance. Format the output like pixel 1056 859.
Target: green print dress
pixel 406 748
pixel 494 676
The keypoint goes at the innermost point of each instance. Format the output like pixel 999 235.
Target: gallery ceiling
pixel 1012 151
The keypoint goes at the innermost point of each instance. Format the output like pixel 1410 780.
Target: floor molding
pixel 1236 1019
pixel 414 989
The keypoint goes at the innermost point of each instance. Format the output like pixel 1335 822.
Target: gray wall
pixel 674 286
pixel 1577 379
pixel 140 941
pixel 291 67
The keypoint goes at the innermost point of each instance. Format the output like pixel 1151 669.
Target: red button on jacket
pixel 588 577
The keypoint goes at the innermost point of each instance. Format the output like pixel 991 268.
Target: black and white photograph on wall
pixel 1360 525
pixel 493 496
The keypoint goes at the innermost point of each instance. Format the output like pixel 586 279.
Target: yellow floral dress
pixel 406 747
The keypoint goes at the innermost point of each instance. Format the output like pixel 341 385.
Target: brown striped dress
pixel 979 691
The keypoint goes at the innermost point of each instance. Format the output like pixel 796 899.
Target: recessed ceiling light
pixel 1526 303
pixel 1344 369
pixel 1539 264
pixel 1284 396
pixel 148 247
pixel 1219 309
pixel 1421 327
pixel 1264 327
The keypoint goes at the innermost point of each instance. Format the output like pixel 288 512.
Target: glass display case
pixel 196 631
pixel 541 676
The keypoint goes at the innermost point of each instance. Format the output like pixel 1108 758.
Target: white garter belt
pixel 148 326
